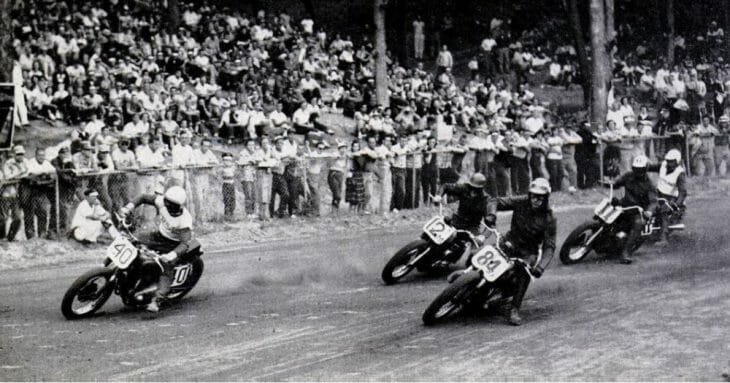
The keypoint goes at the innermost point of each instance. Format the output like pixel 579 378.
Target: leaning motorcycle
pixel 127 270
pixel 440 245
pixel 486 284
pixel 606 233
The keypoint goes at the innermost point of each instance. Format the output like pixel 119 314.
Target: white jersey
pixel 172 227
pixel 667 182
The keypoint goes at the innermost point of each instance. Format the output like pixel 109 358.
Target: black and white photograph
pixel 364 190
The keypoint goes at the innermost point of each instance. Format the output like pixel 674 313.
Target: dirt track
pixel 317 311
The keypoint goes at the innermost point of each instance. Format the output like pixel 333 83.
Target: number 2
pixel 437 227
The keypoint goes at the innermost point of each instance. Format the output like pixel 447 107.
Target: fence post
pixel 687 161
pixel 600 162
pixel 58 205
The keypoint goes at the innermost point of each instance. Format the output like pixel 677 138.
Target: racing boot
pixel 456 274
pixel 514 316
pixel 153 306
pixel 624 258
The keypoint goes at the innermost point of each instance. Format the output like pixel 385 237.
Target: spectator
pixel 13 169
pixel 228 175
pixel 400 152
pixel 702 147
pixel 721 146
pixel 279 185
pixel 124 160
pixel 419 37
pixel 39 194
pixel 88 220
pixel 66 188
pixel 555 159
pixel 430 170
pixel 355 184
pixel 570 168
pixel 248 159
pixel 444 60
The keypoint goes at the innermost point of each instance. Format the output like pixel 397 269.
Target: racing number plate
pixel 121 252
pixel 491 263
pixel 438 230
pixel 181 274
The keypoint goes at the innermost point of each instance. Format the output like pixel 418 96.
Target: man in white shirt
pixel 38 194
pixel 86 224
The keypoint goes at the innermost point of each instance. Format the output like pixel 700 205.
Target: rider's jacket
pixel 638 190
pixel 671 184
pixel 473 205
pixel 530 228
pixel 176 230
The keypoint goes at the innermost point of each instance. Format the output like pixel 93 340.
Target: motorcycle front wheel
pixel 87 293
pixel 397 267
pixel 452 300
pixel 575 248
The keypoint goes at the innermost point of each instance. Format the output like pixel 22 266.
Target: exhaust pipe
pixel 676 227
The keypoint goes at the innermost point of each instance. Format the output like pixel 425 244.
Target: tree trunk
pixel 6 37
pixel 381 69
pixel 579 40
pixel 600 70
pixel 670 32
pixel 173 15
pixel 309 7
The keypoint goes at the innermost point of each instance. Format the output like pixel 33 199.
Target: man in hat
pixel 66 187
pixel 87 222
pixel 14 168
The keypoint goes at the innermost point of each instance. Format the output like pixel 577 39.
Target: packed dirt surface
pixel 316 310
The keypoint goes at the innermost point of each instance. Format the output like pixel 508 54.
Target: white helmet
pixel 176 195
pixel 540 186
pixel 673 155
pixel 640 162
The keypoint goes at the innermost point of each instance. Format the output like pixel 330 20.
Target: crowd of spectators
pixel 142 99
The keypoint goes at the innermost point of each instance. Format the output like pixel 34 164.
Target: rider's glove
pixel 490 220
pixel 125 210
pixel 169 257
pixel 648 214
pixel 537 271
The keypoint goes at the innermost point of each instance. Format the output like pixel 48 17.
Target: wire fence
pixel 238 192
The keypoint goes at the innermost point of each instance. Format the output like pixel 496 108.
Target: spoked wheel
pixel 398 267
pixel 88 293
pixel 452 300
pixel 575 248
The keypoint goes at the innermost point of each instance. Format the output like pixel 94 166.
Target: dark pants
pixel 412 188
pixel 35 202
pixel 521 281
pixel 555 168
pixel 313 201
pixel 156 242
pixel 520 171
pixel 9 208
pixel 399 188
pixel 429 183
pixel 588 170
pixel 634 223
pixel 229 199
pixel 295 186
pixel 501 172
pixel 334 180
pixel 279 187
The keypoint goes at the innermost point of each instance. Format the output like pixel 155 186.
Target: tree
pixel 381 68
pixel 173 15
pixel 670 32
pixel 600 64
pixel 6 38
pixel 579 40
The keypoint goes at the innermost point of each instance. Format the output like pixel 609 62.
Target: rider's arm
pixel 508 203
pixel 454 189
pixel 142 199
pixel 185 237
pixel 621 180
pixel 548 243
pixel 682 188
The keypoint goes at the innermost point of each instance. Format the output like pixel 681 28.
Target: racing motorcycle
pixel 439 246
pixel 606 232
pixel 127 270
pixel 486 284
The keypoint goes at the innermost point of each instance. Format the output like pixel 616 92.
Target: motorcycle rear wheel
pixel 397 267
pixel 198 267
pixel 576 240
pixel 452 300
pixel 83 285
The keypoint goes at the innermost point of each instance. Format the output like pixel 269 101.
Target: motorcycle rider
pixel 172 237
pixel 638 190
pixel 532 224
pixel 672 186
pixel 473 205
